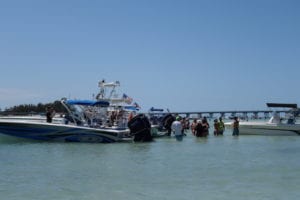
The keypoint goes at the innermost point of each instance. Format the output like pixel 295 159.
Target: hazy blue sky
pixel 185 55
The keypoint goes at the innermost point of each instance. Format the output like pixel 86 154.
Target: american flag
pixel 127 99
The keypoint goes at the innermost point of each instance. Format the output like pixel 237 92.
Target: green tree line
pixel 39 108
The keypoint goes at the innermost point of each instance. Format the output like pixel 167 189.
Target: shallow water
pixel 223 167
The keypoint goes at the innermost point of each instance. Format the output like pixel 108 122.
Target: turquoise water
pixel 224 167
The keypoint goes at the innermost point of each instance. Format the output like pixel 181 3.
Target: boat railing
pixel 82 112
pixel 96 114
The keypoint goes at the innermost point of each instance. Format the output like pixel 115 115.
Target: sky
pixel 184 55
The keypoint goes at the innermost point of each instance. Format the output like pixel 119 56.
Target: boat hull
pixel 60 132
pixel 252 128
pixel 33 118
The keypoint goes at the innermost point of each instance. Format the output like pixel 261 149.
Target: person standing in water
pixel 235 125
pixel 221 126
pixel 177 128
pixel 216 127
pixel 205 126
pixel 199 129
pixel 193 126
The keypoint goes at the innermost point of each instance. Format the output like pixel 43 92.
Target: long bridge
pixel 239 113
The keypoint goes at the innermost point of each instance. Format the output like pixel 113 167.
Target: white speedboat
pixel 76 126
pixel 275 126
pixel 59 132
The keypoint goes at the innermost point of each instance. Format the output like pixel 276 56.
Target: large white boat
pixel 85 121
pixel 74 127
pixel 105 120
pixel 275 126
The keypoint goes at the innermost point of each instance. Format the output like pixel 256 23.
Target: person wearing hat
pixel 177 128
pixel 199 129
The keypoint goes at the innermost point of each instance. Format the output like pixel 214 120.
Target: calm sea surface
pixel 226 167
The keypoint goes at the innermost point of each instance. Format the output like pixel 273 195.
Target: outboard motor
pixel 167 122
pixel 140 128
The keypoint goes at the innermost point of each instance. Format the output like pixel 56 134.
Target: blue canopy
pixel 133 108
pixel 87 103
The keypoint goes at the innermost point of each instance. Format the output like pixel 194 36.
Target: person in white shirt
pixel 177 128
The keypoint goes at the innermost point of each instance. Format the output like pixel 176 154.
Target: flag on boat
pixel 136 105
pixel 127 99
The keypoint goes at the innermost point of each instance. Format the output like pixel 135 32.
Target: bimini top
pixel 282 105
pixel 88 103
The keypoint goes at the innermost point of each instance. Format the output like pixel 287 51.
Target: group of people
pixel 200 128
pixel 219 126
